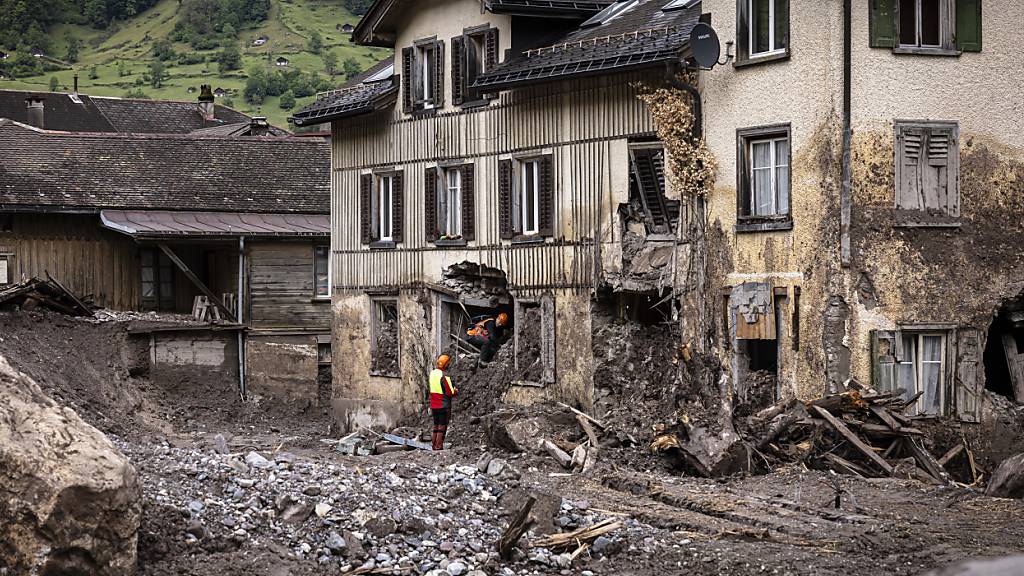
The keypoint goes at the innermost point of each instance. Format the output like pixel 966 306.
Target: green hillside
pixel 117 61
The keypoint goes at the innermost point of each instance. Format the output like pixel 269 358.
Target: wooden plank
pixel 578 413
pixel 927 461
pixel 884 416
pixel 198 283
pixel 844 466
pixel 402 441
pixel 82 308
pixel 515 530
pixel 589 430
pixel 853 439
pixel 952 453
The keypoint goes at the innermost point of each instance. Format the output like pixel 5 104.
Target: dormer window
pixel 473 53
pixel 423 76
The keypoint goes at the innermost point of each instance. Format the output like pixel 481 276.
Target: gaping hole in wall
pixel 476 314
pixel 384 351
pixel 1004 352
pixel 648 309
pixel 529 366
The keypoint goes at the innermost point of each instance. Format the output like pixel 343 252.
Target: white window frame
pixel 451 203
pixel 425 57
pixel 316 291
pixel 918 364
pixel 773 167
pixel 385 218
pixel 918 19
pixel 522 192
pixel 752 31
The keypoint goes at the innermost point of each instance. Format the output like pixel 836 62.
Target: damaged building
pixel 501 162
pixel 225 238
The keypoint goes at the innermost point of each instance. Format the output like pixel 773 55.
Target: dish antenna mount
pixel 706 47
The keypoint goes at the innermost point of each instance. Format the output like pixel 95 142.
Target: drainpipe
pixel 698 113
pixel 845 199
pixel 238 314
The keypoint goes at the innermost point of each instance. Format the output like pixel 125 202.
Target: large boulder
pixel 69 500
pixel 1008 479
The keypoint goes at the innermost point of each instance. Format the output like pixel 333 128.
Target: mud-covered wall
pixel 283 368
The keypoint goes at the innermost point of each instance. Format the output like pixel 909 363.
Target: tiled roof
pixel 97 114
pixel 348 100
pixel 239 129
pixel 552 8
pixel 154 223
pixel 642 36
pixel 62 170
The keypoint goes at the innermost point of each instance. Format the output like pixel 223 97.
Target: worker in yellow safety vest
pixel 441 393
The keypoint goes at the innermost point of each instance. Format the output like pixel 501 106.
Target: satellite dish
pixel 705 45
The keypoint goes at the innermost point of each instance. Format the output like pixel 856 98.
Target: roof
pixel 354 97
pixel 100 114
pixel 239 129
pixel 579 9
pixel 63 171
pixel 162 223
pixel 640 37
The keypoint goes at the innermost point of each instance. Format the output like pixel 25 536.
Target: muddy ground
pixel 212 508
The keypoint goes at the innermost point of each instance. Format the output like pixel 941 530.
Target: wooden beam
pixel 927 461
pixel 852 439
pixel 199 283
pixel 951 454
pixel 884 416
pixel 519 525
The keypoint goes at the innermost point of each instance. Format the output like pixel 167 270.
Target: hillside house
pixel 281 61
pixel 347 28
pixel 508 166
pixel 242 222
pixel 260 41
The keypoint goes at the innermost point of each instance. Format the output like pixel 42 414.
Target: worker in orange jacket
pixel 488 335
pixel 441 393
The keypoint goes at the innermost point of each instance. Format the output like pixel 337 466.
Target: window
pixel 321 271
pixel 423 76
pixel 764 176
pixel 920 367
pixel 6 274
pixel 610 13
pixel 928 167
pixel 941 27
pixel 473 53
pixel 526 197
pixel 451 204
pixel 534 341
pixel 381 206
pixel 762 30
pixel 384 343
pixel 157 274
pixel 448 197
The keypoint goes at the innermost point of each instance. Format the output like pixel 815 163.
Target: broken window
pixel 534 336
pixel 928 167
pixel 763 28
pixel 381 206
pixel 914 361
pixel 321 271
pixel 764 177
pixel 384 353
pixel 157 275
pixel 449 196
pixel 423 76
pixel 926 26
pixel 647 188
pixel 473 53
pixel 526 197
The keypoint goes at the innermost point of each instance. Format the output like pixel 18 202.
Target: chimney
pixel 76 84
pixel 35 111
pixel 206 102
pixel 259 126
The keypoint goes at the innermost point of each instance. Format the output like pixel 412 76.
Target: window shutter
pixel 430 203
pixel 459 71
pixel 398 208
pixel 785 37
pixel 546 198
pixel 365 208
pixel 742 179
pixel 491 48
pixel 968 25
pixel 505 199
pixel 909 150
pixel 883 359
pixel 438 96
pixel 408 59
pixel 968 374
pixel 882 23
pixel 742 30
pixel 468 203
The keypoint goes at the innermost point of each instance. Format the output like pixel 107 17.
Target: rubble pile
pixel 48 293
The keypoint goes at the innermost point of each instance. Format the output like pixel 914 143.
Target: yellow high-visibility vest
pixel 436 376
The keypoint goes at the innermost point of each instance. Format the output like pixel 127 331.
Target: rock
pixel 312 491
pixel 256 461
pixel 69 500
pixel 456 568
pixel 601 544
pixel 195 528
pixel 296 513
pixel 355 546
pixel 322 509
pixel 517 435
pixel 380 527
pixel 336 544
pixel 220 444
pixel 484 461
pixel 1005 566
pixel 1008 479
pixel 195 506
pixel 495 467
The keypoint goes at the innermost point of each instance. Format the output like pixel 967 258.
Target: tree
pixel 331 63
pixel 54 84
pixel 229 32
pixel 163 50
pixel 287 100
pixel 230 58
pixel 157 74
pixel 351 68
pixel 316 43
pixel 73 45
pixel 95 12
pixel 93 74
pixel 256 87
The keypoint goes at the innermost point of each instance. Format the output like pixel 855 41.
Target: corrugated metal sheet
pixel 149 223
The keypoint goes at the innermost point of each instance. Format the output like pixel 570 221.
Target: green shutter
pixel 968 25
pixel 882 23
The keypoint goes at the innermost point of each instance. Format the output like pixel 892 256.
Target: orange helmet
pixel 502 319
pixel 442 361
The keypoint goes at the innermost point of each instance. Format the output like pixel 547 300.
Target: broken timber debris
pixel 48 293
pixel 519 525
pixel 571 541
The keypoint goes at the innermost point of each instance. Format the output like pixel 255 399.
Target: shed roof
pixel 44 170
pixel 164 223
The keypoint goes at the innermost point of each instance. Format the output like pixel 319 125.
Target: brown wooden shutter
pixel 468 202
pixel 882 23
pixel 505 223
pixel 438 96
pixel 458 70
pixel 408 76
pixel 398 208
pixel 743 202
pixel 909 153
pixel 430 203
pixel 490 48
pixel 968 25
pixel 742 30
pixel 366 208
pixel 968 381
pixel 943 167
pixel 546 197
